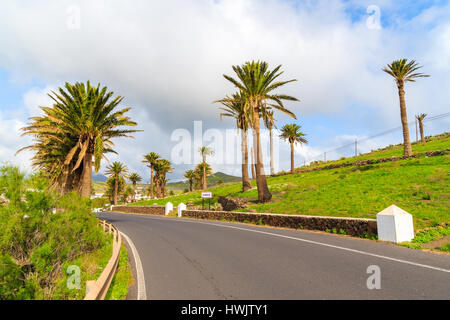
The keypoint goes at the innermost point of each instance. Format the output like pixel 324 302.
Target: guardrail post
pixel 181 208
pixel 395 225
pixel 168 208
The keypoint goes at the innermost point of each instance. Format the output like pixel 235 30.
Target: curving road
pixel 199 259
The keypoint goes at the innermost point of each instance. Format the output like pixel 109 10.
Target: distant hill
pixel 99 177
pixel 211 180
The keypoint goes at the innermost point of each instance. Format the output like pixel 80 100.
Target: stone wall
pixel 140 209
pixel 351 226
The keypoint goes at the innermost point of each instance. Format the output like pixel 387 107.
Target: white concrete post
pixel 169 208
pixel 181 208
pixel 395 225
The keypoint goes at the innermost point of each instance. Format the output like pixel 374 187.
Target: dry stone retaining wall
pixel 351 226
pixel 140 209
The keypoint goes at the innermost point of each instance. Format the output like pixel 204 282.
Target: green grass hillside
pixel 419 186
pixel 213 180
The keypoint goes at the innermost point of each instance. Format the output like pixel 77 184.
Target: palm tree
pixel 403 71
pixel 117 170
pixel 420 118
pixel 110 187
pixel 234 107
pixel 126 193
pixel 134 178
pixel 204 152
pixel 257 82
pixel 201 171
pixel 190 175
pixel 162 167
pixel 151 159
pixel 292 133
pixel 81 123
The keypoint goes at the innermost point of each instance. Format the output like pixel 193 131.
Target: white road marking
pixel 309 241
pixel 142 293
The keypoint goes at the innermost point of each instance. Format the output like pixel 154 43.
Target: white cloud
pixel 11 142
pixel 35 98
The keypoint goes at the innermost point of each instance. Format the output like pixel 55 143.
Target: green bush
pixel 35 241
pixel 98 202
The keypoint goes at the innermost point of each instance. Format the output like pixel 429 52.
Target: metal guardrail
pixel 97 289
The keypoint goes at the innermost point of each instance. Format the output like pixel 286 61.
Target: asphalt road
pixel 200 259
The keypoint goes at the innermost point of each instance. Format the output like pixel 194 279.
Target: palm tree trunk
pixel 422 136
pixel 246 184
pixel 151 182
pixel 134 191
pixel 292 157
pixel 264 194
pixel 204 185
pixel 158 188
pixel 68 180
pixel 86 176
pixel 190 185
pixel 76 184
pixel 116 189
pixel 253 163
pixel 406 141
pixel 272 169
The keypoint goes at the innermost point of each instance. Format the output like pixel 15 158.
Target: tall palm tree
pixel 204 152
pixel 150 159
pixel 420 118
pixel 162 167
pixel 234 107
pixel 403 71
pixel 134 178
pixel 82 121
pixel 117 170
pixel 111 187
pixel 292 133
pixel 200 171
pixel 190 175
pixel 257 83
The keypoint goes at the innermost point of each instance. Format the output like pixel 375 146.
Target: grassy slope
pixel 91 266
pixel 438 142
pixel 212 181
pixel 122 280
pixel 419 186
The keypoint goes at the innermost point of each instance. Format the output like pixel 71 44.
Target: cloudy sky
pixel 167 58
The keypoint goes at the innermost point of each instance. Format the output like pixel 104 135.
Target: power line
pixel 437 117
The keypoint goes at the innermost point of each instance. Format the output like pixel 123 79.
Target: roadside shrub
pixel 445 247
pixel 36 240
pixel 98 202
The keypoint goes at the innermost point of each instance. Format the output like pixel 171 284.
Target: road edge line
pixel 142 293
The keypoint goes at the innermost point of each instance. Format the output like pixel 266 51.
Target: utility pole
pixel 356 147
pixel 325 157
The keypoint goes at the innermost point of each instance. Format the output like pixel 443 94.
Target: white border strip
pixel 142 293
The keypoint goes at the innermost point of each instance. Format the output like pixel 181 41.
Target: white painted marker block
pixel 181 208
pixel 395 225
pixel 169 208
